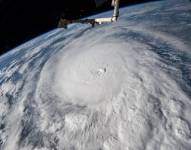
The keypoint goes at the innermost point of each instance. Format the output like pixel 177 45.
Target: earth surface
pixel 118 86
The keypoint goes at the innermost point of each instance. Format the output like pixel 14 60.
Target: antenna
pixel 63 23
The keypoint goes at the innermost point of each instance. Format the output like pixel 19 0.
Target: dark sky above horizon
pixel 22 20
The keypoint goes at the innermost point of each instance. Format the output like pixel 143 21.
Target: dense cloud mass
pixel 118 86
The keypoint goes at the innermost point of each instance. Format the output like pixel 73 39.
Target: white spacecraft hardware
pixel 63 23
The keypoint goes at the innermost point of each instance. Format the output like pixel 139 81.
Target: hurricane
pixel 118 86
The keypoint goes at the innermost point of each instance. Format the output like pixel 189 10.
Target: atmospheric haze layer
pixel 118 86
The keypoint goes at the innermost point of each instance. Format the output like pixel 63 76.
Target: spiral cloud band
pixel 124 85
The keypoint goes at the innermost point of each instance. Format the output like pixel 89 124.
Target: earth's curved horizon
pixel 118 86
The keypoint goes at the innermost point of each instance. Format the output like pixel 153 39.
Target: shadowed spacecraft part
pixel 115 3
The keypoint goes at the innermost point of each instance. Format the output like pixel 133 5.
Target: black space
pixel 22 20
